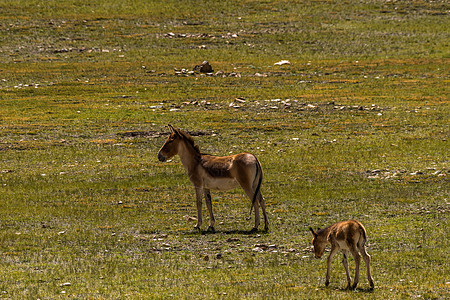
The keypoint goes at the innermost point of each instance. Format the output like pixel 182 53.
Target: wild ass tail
pixel 258 187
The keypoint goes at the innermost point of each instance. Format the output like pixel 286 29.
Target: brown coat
pixel 209 172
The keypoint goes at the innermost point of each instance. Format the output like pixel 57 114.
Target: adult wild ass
pixel 347 236
pixel 208 172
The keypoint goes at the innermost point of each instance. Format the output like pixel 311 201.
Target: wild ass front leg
pixel 210 210
pixel 198 195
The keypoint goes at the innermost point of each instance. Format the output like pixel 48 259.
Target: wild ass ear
pixel 313 232
pixel 173 129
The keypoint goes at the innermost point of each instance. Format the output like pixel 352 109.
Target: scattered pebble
pixel 282 62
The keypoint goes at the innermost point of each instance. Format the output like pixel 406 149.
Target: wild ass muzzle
pixel 347 236
pixel 208 172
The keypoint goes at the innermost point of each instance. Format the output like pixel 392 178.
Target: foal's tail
pixel 258 187
pixel 363 234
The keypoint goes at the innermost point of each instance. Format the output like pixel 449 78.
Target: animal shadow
pixel 237 232
pixel 359 290
pixel 240 232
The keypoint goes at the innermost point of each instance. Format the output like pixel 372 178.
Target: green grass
pixel 355 127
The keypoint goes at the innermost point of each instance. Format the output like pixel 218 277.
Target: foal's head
pixel 319 242
pixel 170 147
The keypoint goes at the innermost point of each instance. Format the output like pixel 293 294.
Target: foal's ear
pixel 313 232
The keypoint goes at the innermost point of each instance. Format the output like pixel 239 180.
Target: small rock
pixel 189 218
pixel 204 67
pixel 262 246
pixel 260 75
pixel 233 240
pixel 282 62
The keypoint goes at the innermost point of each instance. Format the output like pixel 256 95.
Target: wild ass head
pixel 170 147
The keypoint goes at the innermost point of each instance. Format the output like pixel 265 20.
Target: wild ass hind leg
pixel 198 195
pixel 366 258
pixel 357 257
pixel 262 203
pixel 257 217
pixel 250 193
pixel 333 251
pixel 212 220
pixel 345 263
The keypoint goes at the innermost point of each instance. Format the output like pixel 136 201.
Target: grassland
pixel 356 126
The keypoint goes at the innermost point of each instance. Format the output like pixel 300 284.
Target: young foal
pixel 345 236
pixel 208 172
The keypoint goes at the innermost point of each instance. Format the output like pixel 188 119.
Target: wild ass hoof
pixel 354 285
pixel 327 283
pixel 197 228
pixel 372 286
pixel 211 229
pixel 254 229
pixel 266 228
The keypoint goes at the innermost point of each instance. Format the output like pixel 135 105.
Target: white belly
pixel 221 184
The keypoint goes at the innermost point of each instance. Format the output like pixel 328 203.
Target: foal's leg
pixel 209 206
pixel 198 195
pixel 357 257
pixel 333 251
pixel 345 263
pixel 366 258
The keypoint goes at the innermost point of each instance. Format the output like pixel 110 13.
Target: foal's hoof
pixel 354 286
pixel 197 229
pixel 327 283
pixel 254 229
pixel 372 286
pixel 211 229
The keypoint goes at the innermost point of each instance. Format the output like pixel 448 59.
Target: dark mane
pixel 189 138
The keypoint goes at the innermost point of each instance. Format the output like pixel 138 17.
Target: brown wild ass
pixel 208 172
pixel 345 236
